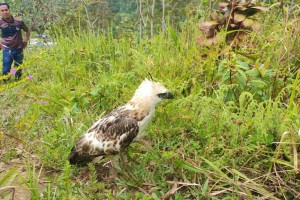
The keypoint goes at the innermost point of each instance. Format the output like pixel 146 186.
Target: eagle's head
pixel 153 91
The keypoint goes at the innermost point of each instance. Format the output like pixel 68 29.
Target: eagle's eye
pixel 161 95
pixel 165 95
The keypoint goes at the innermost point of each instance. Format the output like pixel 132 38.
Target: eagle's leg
pixel 124 157
pixel 97 159
pixel 122 162
pixel 109 165
pixel 142 140
pixel 119 161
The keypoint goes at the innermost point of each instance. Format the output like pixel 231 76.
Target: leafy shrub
pixel 235 16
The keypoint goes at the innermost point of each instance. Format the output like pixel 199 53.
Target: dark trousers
pixel 9 56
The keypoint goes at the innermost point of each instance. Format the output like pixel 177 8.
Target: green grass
pixel 218 139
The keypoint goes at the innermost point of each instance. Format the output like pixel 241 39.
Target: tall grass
pixel 218 139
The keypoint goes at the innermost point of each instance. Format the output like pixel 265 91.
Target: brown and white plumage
pixel 114 132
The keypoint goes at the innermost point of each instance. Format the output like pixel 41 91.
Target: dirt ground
pixel 13 172
pixel 17 170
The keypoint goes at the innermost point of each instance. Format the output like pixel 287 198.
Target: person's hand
pixel 24 44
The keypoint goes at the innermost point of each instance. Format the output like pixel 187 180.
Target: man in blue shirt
pixel 12 42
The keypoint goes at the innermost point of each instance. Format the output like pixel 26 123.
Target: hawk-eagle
pixel 113 133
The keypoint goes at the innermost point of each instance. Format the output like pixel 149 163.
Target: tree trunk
pixel 163 22
pixel 152 18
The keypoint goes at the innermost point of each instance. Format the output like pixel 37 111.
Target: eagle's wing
pixel 109 135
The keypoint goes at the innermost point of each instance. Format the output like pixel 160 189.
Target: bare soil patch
pixel 15 171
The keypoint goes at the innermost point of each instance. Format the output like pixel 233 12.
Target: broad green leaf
pixel 249 55
pixel 260 8
pixel 253 73
pixel 239 17
pixel 243 75
pixel 225 76
pixel 262 71
pixel 267 63
pixel 259 92
pixel 269 139
pixel 259 82
pixel 243 65
pixel 247 23
pixel 241 8
pixel 247 3
pixel 240 81
pixel 95 92
pixel 209 23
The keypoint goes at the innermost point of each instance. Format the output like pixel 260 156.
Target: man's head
pixel 4 11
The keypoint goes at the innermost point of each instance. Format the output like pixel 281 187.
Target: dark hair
pixel 4 4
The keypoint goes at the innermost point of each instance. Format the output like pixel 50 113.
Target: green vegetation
pixel 232 131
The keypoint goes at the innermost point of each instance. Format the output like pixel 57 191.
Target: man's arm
pixel 27 34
